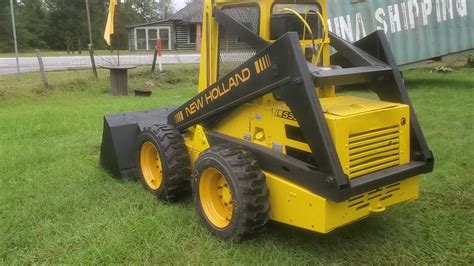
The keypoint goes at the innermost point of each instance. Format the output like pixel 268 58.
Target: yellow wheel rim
pixel 150 164
pixel 215 197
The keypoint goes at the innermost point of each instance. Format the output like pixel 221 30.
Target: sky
pixel 178 4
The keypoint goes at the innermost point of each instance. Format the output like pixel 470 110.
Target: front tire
pixel 162 161
pixel 230 193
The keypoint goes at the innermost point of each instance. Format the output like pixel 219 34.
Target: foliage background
pixel 62 24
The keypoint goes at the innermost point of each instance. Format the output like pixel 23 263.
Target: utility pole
pixel 15 41
pixel 91 50
pixel 89 21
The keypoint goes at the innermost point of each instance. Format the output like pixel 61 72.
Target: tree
pixel 32 23
pixel 62 24
pixel 165 8
pixel 6 36
pixel 68 23
pixel 98 9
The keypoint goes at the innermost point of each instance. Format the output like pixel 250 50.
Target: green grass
pixel 58 206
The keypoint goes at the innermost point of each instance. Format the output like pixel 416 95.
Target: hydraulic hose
pixel 305 23
pixel 326 34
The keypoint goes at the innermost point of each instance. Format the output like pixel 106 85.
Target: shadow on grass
pixel 283 235
pixel 373 229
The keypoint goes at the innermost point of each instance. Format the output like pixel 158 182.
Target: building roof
pixel 191 13
pixel 147 24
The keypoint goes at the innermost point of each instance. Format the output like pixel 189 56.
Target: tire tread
pixel 254 190
pixel 178 172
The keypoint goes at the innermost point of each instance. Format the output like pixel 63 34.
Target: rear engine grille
pixel 373 150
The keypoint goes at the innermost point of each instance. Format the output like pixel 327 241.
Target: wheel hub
pixel 151 166
pixel 224 192
pixel 216 197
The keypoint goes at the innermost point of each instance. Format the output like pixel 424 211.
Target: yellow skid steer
pixel 267 137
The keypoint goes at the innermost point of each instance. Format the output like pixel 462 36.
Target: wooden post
pixel 91 51
pixel 157 54
pixel 153 63
pixel 94 68
pixel 42 70
pixel 158 49
pixel 198 37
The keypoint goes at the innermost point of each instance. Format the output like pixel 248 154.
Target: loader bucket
pixel 119 136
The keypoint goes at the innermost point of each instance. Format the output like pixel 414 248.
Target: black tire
pixel 175 164
pixel 249 191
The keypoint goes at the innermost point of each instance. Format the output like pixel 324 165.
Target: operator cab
pixel 283 20
pixel 303 18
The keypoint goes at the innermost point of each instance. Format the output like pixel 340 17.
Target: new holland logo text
pixel 262 63
pixel 213 94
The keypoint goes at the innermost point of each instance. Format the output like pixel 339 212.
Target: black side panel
pixel 118 139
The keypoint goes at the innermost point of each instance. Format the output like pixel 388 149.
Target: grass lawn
pixel 58 206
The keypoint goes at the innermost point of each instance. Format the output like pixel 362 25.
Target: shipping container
pixel 417 30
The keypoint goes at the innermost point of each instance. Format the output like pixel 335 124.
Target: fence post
pixel 153 63
pixel 94 69
pixel 42 70
pixel 155 55
pixel 158 48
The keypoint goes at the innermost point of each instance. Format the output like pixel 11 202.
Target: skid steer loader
pixel 266 137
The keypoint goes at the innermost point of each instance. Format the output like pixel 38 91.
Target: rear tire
pixel 230 193
pixel 162 162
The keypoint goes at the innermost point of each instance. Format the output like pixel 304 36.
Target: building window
pixel 152 34
pixel 146 38
pixel 192 33
pixel 165 38
pixel 141 39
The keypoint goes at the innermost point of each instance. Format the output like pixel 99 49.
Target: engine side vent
pixel 363 201
pixel 373 150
